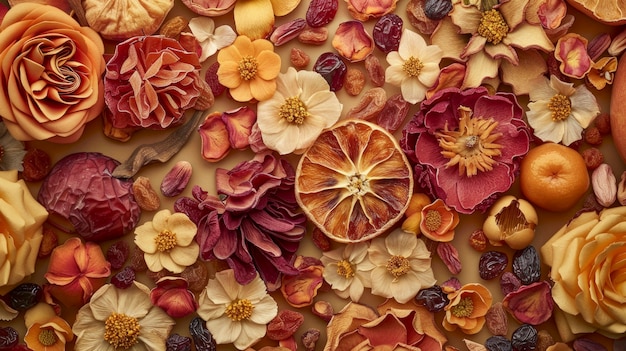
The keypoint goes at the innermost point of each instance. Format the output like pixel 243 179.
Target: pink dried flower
pixel 530 304
pixel 571 51
pixel 235 126
pixel 174 297
pixel 466 146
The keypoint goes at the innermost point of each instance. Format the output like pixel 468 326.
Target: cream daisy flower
pixel 300 109
pixel 403 266
pixel 414 67
pixel 168 242
pixel 236 313
pixel 558 111
pixel 348 270
pixel 210 38
pixel 116 319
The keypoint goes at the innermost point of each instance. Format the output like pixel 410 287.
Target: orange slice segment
pixel 354 182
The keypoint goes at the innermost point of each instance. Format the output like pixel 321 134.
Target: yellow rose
pixel 50 76
pixel 588 260
pixel 21 218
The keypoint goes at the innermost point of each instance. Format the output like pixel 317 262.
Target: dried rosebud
pixel 175 181
pixel 531 304
pixel 172 295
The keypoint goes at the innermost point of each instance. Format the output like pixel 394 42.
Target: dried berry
pixel 124 278
pixel 387 32
pixel 433 298
pixel 593 136
pixel 332 68
pixel 393 113
pixel 309 339
pixel 584 344
pixel 478 240
pixel 509 283
pixel 117 254
pixel 524 338
pixel 177 342
pixel 197 275
pixel 24 296
pixel 375 70
pixel 321 12
pixel 527 265
pixel 137 262
pixel 211 78
pixel 49 241
pixel 498 343
pixel 491 264
pixel 36 165
pixel 603 123
pixel 202 337
pixel 9 338
pixel 437 9
pixel 284 325
pixel 593 158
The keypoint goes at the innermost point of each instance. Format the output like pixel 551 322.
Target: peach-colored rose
pixel 50 77
pixel 588 257
pixel 467 308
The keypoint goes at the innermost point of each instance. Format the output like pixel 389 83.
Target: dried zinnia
pixel 248 68
pixel 558 111
pixel 348 270
pixel 467 308
pixel 172 294
pixel 466 146
pixel 168 242
pixel 255 224
pixel 438 221
pixel 236 313
pixel 45 330
pixel 76 271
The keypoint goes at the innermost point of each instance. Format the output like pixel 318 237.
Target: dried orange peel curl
pixel 354 182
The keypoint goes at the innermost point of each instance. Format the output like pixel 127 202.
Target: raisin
pixel 197 275
pixel 387 32
pixel 437 9
pixel 321 12
pixel 584 344
pixel 124 278
pixel 478 240
pixel 491 264
pixel 9 338
pixel 332 68
pixel 526 265
pixel 24 296
pixel 524 338
pixel 433 298
pixel 211 78
pixel 177 342
pixel 202 337
pixel 509 283
pixel 37 165
pixel 117 254
pixel 498 343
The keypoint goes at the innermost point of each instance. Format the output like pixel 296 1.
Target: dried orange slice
pixel 611 12
pixel 354 182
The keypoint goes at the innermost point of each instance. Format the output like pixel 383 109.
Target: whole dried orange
pixel 354 182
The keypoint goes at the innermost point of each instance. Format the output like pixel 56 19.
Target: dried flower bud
pixel 598 45
pixel 176 179
pixel 604 185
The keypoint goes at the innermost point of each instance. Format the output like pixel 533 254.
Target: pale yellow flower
pixel 168 242
pixel 347 270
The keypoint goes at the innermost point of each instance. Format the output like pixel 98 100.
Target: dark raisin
pixel 24 296
pixel 332 68
pixel 9 338
pixel 117 254
pixel 437 9
pixel 36 164
pixel 433 298
pixel 527 265
pixel 509 283
pixel 524 338
pixel 491 264
pixel 197 276
pixel 387 32
pixel 177 342
pixel 137 262
pixel 321 12
pixel 584 344
pixel 202 337
pixel 124 278
pixel 498 343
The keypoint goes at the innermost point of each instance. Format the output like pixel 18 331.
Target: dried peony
pixel 50 84
pixel 466 146
pixel 255 224
pixel 81 190
pixel 150 82
pixel 467 308
pixel 172 294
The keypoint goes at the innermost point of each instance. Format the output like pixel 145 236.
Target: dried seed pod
pixel 287 31
pixel 176 179
pixel 511 221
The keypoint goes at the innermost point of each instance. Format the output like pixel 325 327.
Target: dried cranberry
pixel 332 68
pixel 124 278
pixel 498 343
pixel 202 337
pixel 117 254
pixel 491 264
pixel 24 296
pixel 9 338
pixel 177 342
pixel 321 12
pixel 211 78
pixel 524 338
pixel 527 265
pixel 37 165
pixel 437 9
pixel 433 298
pixel 387 32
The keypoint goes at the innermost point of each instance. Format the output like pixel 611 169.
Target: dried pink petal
pixel 352 41
pixel 214 136
pixel 210 8
pixel 530 304
pixel 173 296
pixel 366 9
pixel 299 290
pixel 571 51
pixel 239 124
pixel 551 13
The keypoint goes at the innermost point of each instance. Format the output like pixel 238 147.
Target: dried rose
pixel 571 51
pixel 530 304
pixel 174 297
pixel 150 82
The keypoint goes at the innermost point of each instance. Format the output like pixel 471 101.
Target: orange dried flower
pixel 467 308
pixel 46 331
pixel 439 221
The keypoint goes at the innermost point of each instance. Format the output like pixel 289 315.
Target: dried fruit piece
pixel 173 27
pixel 320 240
pixel 433 298
pixel 176 180
pixel 124 278
pixel 313 36
pixel 36 164
pixel 354 182
pixel 125 19
pixel 387 32
pixel 355 81
pixel 437 9
pixel 177 342
pixel 496 319
pixel 299 59
pixel 202 337
pixel 491 264
pixel 370 105
pixel 9 338
pixel 332 68
pixel 375 70
pixel 509 282
pixel 498 343
pixel 287 31
pixel 606 11
pixel 524 338
pixel 450 257
pixel 309 339
pixel 284 325
pixel 49 241
pixel 145 195
pixel 321 12
pixel 593 158
pixel 117 254
pixel 352 41
pixel 478 240
pixel 393 113
pixel 363 10
pixel 197 275
pixel 24 296
pixel 211 78
pixel 511 221
pixel 323 309
pixel 527 265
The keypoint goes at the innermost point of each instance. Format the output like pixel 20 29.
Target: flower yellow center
pixel 412 67
pixel 464 308
pixel 165 240
pixel 121 331
pixel 473 146
pixel 293 110
pixel 561 107
pixel 239 310
pixel 398 266
pixel 248 67
pixel 344 269
pixel 47 337
pixel 432 220
pixel 358 184
pixel 492 26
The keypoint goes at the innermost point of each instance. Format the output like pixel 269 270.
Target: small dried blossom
pixel 438 221
pixel 467 308
pixel 172 294
pixel 45 330
pixel 571 51
pixel 210 38
pixel 348 270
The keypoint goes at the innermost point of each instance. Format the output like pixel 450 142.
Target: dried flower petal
pixel 366 9
pixel 214 136
pixel 239 124
pixel 530 304
pixel 571 51
pixel 551 13
pixel 300 289
pixel 174 297
pixel 439 221
pixel 352 41
pixel 602 72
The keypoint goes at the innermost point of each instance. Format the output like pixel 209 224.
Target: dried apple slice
pixel 611 12
pixel 354 182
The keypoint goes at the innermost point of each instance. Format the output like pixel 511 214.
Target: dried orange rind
pixel 611 12
pixel 354 182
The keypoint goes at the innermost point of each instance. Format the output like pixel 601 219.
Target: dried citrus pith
pixel 354 182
